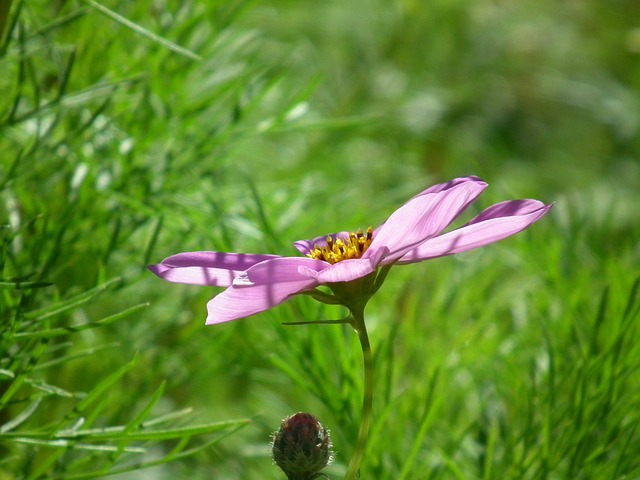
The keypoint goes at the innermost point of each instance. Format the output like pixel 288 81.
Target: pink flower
pixel 351 264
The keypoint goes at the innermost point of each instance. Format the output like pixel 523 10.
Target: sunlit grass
pixel 118 148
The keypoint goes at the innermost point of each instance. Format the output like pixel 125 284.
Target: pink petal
pixel 305 246
pixel 206 268
pixel 281 270
pixel 495 223
pixel 346 271
pixel 275 281
pixel 440 187
pixel 424 216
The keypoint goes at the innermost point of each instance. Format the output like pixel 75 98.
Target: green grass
pixel 130 131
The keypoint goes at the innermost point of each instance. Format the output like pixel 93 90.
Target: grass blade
pixel 143 31
pixel 58 331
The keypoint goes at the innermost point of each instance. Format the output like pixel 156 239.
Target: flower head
pixel 301 447
pixel 348 262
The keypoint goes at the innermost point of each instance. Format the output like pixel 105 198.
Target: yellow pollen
pixel 337 250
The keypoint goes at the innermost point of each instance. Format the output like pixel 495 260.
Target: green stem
pixel 353 470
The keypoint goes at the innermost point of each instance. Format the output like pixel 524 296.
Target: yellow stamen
pixel 337 249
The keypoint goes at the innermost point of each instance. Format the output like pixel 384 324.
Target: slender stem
pixel 353 470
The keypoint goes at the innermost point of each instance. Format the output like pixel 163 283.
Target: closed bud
pixel 301 447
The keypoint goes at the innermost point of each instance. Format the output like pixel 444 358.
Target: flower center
pixel 338 249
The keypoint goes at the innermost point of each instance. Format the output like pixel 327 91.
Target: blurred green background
pixel 246 125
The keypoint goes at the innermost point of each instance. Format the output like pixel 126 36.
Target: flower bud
pixel 301 447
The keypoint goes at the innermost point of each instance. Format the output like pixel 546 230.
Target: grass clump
pixel 130 131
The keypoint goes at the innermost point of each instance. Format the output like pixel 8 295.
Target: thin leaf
pixel 153 240
pixel 12 168
pixel 20 285
pixel 58 22
pixel 431 410
pixel 137 421
pixel 143 465
pixel 162 434
pixel 55 332
pixel 5 8
pixel 74 356
pixel 21 418
pixel 72 302
pixel 51 389
pixel 62 443
pixel 143 31
pixel 169 417
pixel 119 432
pixel 103 386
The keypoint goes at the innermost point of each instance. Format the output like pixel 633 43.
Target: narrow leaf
pixel 21 418
pixel 55 332
pixel 143 31
pixel 70 303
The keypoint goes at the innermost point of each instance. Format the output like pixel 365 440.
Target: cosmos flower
pixel 350 263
